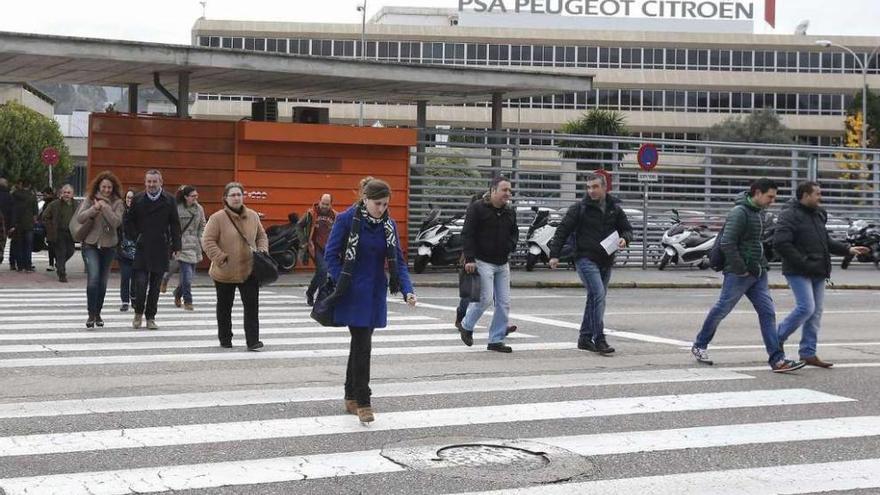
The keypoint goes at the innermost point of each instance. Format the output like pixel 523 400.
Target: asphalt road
pixel 124 411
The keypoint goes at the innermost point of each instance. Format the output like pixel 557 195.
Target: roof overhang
pixel 103 62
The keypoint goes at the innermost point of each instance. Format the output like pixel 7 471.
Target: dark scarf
pixel 238 211
pixel 349 257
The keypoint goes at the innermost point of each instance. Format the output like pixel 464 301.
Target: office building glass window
pixel 454 53
pixel 631 58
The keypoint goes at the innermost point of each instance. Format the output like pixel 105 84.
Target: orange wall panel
pixel 288 166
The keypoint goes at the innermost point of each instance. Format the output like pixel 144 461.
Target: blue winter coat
pixel 364 305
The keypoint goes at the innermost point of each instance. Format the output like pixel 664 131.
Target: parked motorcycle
pixel 284 244
pixel 863 233
pixel 686 245
pixel 541 232
pixel 438 242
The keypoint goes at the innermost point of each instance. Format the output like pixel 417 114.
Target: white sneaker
pixel 702 355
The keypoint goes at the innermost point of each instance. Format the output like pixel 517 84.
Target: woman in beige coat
pixel 231 262
pixel 100 213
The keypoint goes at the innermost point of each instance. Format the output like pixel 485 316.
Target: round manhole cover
pixel 491 460
pixel 499 457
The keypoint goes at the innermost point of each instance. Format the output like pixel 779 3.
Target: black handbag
pixel 322 310
pixel 264 268
pixel 469 285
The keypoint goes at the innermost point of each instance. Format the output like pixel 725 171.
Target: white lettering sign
pixel 669 9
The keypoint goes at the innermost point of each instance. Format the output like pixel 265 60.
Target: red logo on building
pixel 770 12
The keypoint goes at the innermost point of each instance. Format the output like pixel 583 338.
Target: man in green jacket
pixel 745 274
pixel 57 220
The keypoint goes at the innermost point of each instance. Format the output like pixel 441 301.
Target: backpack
pixel 716 255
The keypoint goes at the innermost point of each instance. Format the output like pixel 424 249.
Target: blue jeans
pixel 494 286
pixel 809 296
pixel 595 279
pixel 24 245
pixel 320 275
pixel 184 288
pixel 97 262
pixel 125 279
pixel 758 292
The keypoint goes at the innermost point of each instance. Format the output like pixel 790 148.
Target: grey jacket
pixel 193 218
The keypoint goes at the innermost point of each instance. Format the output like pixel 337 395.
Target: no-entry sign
pixel 50 156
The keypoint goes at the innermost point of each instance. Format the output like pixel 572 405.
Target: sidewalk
pixel 859 276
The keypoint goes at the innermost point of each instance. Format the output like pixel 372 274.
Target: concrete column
pixel 496 127
pixel 133 98
pixel 421 124
pixel 183 94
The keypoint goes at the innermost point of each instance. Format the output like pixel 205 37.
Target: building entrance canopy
pixel 104 62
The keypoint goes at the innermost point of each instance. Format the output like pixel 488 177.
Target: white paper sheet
pixel 611 243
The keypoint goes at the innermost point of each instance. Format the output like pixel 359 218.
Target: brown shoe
pixel 177 301
pixel 365 414
pixel 163 286
pixel 815 361
pixel 351 406
pixel 188 307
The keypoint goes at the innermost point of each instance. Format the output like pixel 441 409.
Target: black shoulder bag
pixel 264 268
pixel 330 292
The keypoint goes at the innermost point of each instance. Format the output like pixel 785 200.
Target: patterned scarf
pixel 351 249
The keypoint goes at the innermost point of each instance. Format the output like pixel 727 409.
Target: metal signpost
pixel 50 158
pixel 648 157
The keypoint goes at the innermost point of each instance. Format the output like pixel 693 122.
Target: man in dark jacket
pixel 805 247
pixel 24 213
pixel 152 220
pixel 745 273
pixel 5 217
pixel 489 235
pixel 56 218
pixel 601 228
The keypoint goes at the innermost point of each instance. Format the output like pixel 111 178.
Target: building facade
pixel 667 84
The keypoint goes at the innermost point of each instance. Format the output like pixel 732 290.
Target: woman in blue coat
pixel 356 262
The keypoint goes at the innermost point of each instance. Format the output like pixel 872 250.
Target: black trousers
pixel 64 249
pixel 357 376
pixel 146 290
pixel 250 298
pixel 50 248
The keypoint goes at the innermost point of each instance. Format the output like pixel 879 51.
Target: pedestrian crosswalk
pixel 198 417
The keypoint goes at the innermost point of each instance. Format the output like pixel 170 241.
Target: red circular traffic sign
pixel 648 157
pixel 50 156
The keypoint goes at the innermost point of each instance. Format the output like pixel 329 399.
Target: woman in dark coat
pixel 362 306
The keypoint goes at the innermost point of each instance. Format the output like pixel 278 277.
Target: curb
pixel 578 285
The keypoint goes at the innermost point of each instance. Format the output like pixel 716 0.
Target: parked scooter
pixel 438 242
pixel 284 244
pixel 541 232
pixel 684 245
pixel 863 233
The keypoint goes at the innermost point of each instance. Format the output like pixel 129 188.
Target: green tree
pixel 763 126
pixel 24 134
pixel 448 177
pixel 593 123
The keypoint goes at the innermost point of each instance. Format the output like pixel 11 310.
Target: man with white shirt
pixel 593 220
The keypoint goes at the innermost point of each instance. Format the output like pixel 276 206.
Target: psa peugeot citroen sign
pixel 668 9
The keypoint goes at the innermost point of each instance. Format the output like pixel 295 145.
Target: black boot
pixel 90 323
pixel 98 321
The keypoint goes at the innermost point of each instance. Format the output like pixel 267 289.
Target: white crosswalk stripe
pixel 115 439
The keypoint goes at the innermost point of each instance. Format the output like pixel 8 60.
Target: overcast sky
pixel 170 21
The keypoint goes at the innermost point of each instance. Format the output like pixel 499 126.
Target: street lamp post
pixel 363 10
pixel 864 66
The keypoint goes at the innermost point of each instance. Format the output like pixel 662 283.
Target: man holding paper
pixel 600 228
